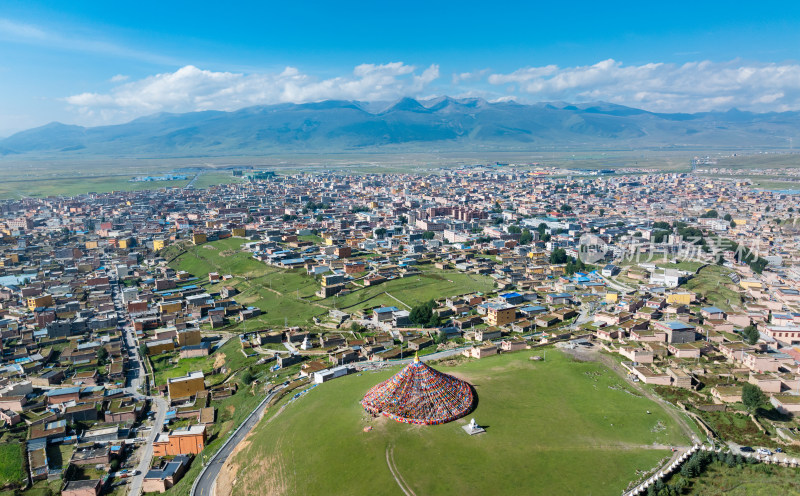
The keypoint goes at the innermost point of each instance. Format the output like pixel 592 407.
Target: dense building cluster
pixel 664 269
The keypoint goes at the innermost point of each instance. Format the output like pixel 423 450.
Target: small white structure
pixel 472 428
pixel 305 345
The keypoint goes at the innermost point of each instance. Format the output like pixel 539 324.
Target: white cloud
pixel 119 78
pixel 690 87
pixel 469 76
pixel 190 89
pixel 58 38
pixel 661 87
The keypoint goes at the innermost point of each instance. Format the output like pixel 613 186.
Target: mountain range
pixel 440 124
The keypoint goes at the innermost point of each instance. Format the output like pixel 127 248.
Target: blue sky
pixel 95 63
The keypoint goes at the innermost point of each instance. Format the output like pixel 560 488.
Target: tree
pixel 379 232
pixel 752 397
pixel 526 237
pixel 403 220
pixel 102 354
pixel 558 256
pixel 514 229
pixel 428 235
pixel 246 378
pixel 750 334
pixel 711 214
pixel 422 315
pixel 602 212
pixel 733 224
pixel 728 217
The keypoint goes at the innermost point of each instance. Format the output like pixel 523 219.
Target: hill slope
pixel 407 125
pixel 553 427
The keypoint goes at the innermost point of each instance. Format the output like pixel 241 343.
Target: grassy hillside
pixel 553 427
pixel 431 284
pixel 713 283
pixel 287 296
pixel 11 471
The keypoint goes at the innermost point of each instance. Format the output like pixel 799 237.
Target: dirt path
pixel 396 473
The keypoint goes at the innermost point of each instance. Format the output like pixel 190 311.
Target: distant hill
pixel 406 125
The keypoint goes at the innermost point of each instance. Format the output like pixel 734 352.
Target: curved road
pixel 206 482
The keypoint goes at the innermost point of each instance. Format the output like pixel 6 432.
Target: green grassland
pixel 683 265
pixel 553 427
pixel 46 182
pixel 431 284
pixel 761 161
pixel 713 283
pixel 208 179
pixel 11 471
pixel 234 359
pixel 287 295
pixel 71 186
pixel 746 480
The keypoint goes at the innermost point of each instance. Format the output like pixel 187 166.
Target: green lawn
pixel 553 427
pixel 11 464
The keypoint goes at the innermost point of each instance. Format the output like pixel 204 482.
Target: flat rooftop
pixel 191 375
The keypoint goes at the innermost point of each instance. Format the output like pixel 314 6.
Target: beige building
pixel 498 315
pixel 186 386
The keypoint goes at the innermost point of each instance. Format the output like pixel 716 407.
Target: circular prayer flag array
pixel 420 395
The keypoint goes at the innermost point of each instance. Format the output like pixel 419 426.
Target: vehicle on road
pixel 746 449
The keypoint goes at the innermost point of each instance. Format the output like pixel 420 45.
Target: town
pixel 141 329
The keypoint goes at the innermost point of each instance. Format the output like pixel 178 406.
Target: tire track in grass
pixel 396 473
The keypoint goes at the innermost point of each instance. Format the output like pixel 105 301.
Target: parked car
pixel 746 449
pixel 764 451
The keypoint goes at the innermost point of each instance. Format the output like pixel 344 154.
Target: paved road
pixel 147 455
pixel 208 478
pixel 191 183
pixel 133 381
pixel 616 285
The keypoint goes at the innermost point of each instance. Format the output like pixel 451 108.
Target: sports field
pixel 553 427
